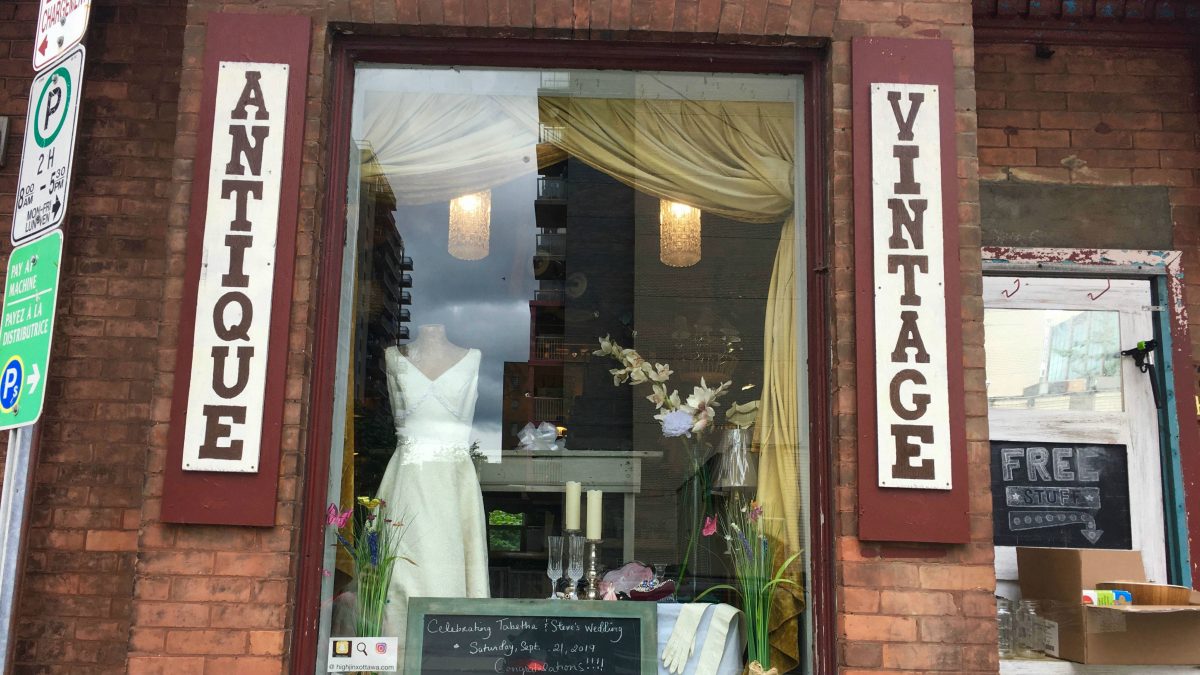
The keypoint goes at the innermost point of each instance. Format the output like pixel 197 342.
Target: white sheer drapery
pixel 435 147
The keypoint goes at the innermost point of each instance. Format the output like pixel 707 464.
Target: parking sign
pixel 26 328
pixel 49 148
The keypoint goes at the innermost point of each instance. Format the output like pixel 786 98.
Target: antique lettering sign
pixel 233 303
pixel 908 294
pixel 231 362
pixel 912 411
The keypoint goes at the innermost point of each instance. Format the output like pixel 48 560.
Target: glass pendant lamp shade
pixel 470 225
pixel 678 234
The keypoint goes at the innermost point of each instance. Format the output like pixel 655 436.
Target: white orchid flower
pixel 605 346
pixel 631 358
pixel 658 396
pixel 673 401
pixel 662 372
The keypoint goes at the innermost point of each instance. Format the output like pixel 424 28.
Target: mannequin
pixel 432 352
pixel 430 481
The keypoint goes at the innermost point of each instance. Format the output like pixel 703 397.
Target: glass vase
pixel 696 504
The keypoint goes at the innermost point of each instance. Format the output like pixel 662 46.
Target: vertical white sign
pixel 223 430
pixel 912 399
pixel 49 149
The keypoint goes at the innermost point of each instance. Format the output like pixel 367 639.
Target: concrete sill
pixel 1056 667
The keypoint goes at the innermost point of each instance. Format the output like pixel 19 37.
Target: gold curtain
pixel 727 157
pixel 779 430
pixel 735 159
pixel 343 561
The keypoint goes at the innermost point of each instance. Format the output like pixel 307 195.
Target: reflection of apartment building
pixel 382 296
pixel 584 272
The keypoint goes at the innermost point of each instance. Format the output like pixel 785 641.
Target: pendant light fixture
pixel 470 225
pixel 678 234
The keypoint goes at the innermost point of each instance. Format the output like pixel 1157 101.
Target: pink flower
pixel 710 526
pixel 332 517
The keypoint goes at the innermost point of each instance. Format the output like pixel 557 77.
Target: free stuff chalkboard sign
pixel 468 635
pixel 1066 495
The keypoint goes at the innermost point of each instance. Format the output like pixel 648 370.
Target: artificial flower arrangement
pixel 687 419
pixel 752 548
pixel 678 417
pixel 372 540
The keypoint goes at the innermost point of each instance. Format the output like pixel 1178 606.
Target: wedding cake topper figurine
pixel 430 480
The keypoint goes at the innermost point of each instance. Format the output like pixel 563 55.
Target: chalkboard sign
pixel 467 635
pixel 1065 495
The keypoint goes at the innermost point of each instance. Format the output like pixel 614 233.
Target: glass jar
pixel 1029 636
pixel 1004 617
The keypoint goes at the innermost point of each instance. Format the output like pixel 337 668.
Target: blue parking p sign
pixel 10 383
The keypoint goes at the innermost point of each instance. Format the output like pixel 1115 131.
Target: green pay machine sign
pixel 26 326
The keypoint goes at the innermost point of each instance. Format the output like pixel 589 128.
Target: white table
pixel 609 470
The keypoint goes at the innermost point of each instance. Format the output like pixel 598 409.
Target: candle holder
pixel 593 573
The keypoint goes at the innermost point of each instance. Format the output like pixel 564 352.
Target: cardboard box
pixel 1132 635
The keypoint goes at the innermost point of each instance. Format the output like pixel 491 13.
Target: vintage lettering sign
pixel 912 459
pixel 912 411
pixel 233 303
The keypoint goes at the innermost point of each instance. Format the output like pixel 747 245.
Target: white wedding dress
pixel 431 483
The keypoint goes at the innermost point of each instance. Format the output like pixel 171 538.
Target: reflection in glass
pixel 1048 359
pixel 527 215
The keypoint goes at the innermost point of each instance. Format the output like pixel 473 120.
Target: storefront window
pixel 572 304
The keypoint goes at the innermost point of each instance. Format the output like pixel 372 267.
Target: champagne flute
pixel 554 546
pixel 575 563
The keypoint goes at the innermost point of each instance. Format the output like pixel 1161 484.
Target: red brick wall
pixel 76 607
pixel 1099 115
pixel 218 600
pixel 922 609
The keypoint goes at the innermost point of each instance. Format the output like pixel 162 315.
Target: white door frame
pixel 1101 264
pixel 1131 298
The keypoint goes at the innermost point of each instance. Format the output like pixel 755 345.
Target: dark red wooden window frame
pixel 348 51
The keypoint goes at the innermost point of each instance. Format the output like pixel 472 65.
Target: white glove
pixel 683 637
pixel 714 640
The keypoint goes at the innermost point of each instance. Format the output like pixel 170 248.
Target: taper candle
pixel 571 515
pixel 595 498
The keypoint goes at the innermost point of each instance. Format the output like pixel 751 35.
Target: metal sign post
pixel 14 507
pixel 31 283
